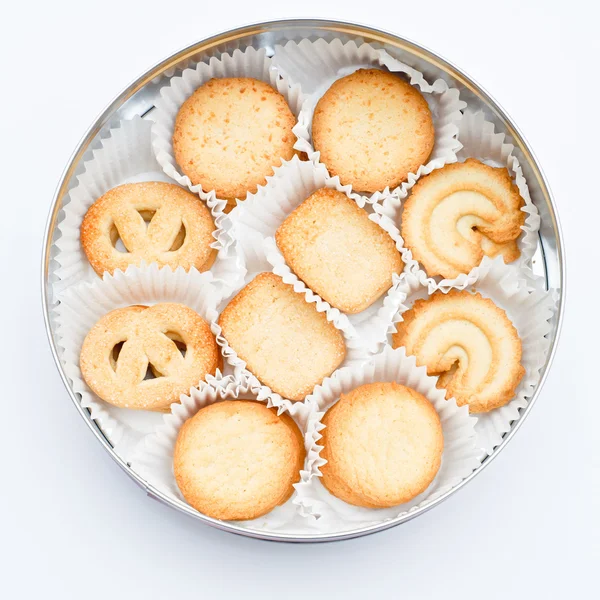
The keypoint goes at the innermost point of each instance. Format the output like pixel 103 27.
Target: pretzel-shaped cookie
pixel 157 222
pixel 469 342
pixel 458 214
pixel 127 344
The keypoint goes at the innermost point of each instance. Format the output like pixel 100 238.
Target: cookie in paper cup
pixel 317 65
pixel 528 306
pixel 335 327
pixel 124 156
pixel 460 454
pixel 83 305
pixel 479 142
pixel 250 63
pixel 153 458
pixel 264 212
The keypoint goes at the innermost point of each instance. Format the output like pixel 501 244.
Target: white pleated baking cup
pixel 253 252
pixel 480 141
pixel 81 307
pixel 125 156
pixel 251 62
pixel 266 210
pixel 460 456
pixel 316 65
pixel 529 307
pixel 153 458
pixel 190 63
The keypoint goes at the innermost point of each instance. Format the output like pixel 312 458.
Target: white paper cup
pixel 125 156
pixel 251 62
pixel 253 252
pixel 316 65
pixel 153 458
pixel 82 306
pixel 265 211
pixel 529 307
pixel 479 141
pixel 460 457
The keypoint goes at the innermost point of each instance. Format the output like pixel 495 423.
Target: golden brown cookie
pixel 238 460
pixel 469 342
pixel 168 341
pixel 333 246
pixel 460 213
pixel 157 222
pixel 230 133
pixel 372 129
pixel 383 443
pixel 282 338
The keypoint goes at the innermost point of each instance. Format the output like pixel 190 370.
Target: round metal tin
pixel 138 99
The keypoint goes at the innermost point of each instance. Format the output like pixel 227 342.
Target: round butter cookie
pixel 157 222
pixel 372 129
pixel 145 357
pixel 237 459
pixel 460 213
pixel 230 133
pixel 469 342
pixel 383 443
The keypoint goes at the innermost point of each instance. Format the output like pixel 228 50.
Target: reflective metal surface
pixel 139 98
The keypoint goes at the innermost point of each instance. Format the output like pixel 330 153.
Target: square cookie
pixel 332 245
pixel 284 341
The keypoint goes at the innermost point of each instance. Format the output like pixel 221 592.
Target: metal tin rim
pixel 323 24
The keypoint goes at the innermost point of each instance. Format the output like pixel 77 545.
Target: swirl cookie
pixel 372 129
pixel 238 459
pixel 469 342
pixel 282 338
pixel 333 246
pixel 460 213
pixel 383 443
pixel 157 222
pixel 230 133
pixel 145 357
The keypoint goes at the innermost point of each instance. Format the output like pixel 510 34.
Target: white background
pixel 73 525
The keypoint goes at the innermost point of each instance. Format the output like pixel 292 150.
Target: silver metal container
pixel 138 99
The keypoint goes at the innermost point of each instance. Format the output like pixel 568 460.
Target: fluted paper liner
pixel 125 156
pixel 264 212
pixel 529 307
pixel 153 458
pixel 255 261
pixel 251 62
pixel 480 141
pixel 316 65
pixel 82 306
pixel 460 456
